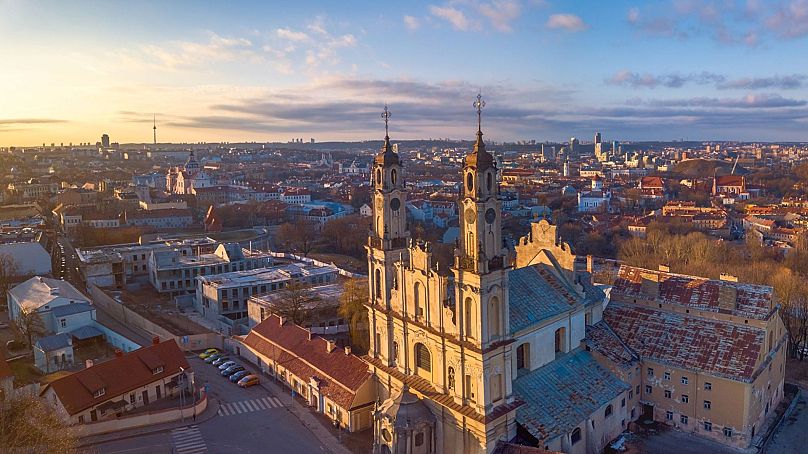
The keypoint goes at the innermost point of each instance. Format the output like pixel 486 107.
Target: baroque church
pixel 183 180
pixel 483 350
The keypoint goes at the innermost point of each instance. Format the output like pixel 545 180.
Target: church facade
pixel 188 178
pixel 495 347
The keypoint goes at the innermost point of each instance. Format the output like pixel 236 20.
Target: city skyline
pixel 727 70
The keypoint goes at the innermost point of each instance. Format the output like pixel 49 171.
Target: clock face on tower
pixel 470 215
pixel 490 216
pixel 395 204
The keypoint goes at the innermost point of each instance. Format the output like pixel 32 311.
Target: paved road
pixel 248 421
pixel 792 436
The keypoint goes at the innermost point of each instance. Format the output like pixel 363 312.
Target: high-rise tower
pixel 154 122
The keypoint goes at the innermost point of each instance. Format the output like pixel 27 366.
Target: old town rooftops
pixel 339 373
pixel 118 376
pixel 709 295
pixel 715 347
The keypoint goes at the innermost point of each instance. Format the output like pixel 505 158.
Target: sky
pixel 273 71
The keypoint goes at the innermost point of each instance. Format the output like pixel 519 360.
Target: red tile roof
pixel 340 374
pixel 5 369
pixel 715 347
pixel 118 376
pixel 753 301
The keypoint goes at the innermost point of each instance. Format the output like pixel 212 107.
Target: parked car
pixel 210 359
pixel 232 370
pixel 226 364
pixel 248 381
pixel 239 375
pixel 208 352
pixel 220 360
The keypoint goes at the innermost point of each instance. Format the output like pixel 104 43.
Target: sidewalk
pixel 210 412
pixel 302 413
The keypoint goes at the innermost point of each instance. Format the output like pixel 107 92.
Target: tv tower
pixel 154 120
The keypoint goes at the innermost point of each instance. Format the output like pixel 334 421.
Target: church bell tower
pixel 388 239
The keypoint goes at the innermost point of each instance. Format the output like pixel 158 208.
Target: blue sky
pixel 262 71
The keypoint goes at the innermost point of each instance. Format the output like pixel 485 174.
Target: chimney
pixel 118 352
pixel 155 340
pixel 309 333
pixel 650 284
pixel 348 350
pixel 665 268
pixel 330 346
pixel 590 263
pixel 727 297
pixel 88 363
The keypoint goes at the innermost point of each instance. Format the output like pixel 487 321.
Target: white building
pixel 595 200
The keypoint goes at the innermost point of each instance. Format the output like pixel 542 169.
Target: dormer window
pixel 100 392
pixel 157 370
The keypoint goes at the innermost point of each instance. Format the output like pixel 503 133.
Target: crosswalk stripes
pixel 188 440
pixel 248 406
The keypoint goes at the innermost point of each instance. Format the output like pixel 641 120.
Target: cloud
pixel 501 13
pixel 454 16
pixel 569 22
pixel 790 20
pixel 22 124
pixel 411 23
pixel 180 54
pixel 756 101
pixel 722 82
pixel 637 80
pixel 291 35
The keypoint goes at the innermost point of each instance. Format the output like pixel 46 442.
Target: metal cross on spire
pixel 479 104
pixel 386 116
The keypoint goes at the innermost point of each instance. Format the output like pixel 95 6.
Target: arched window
pixel 423 360
pixel 378 283
pixel 469 318
pixel 393 176
pixel 494 323
pixel 489 181
pixel 523 357
pixel 451 378
pixel 608 411
pixel 575 437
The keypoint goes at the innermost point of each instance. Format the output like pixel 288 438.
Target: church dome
pixel 479 157
pixel 406 411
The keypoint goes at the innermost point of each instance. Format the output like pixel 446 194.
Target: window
pixel 523 356
pixel 496 388
pixel 683 419
pixel 708 386
pixel 727 432
pixel 650 371
pixel 622 403
pixel 157 370
pixel 132 398
pixel 638 390
pixel 608 411
pixel 419 437
pixel 81 419
pixel 684 380
pixel 469 388
pixel 669 415
pixel 667 394
pixel 575 437
pixel 648 389
pixel 667 376
pixel 63 322
pixel 422 358
pixel 685 399
pixel 708 405
pixel 630 393
pixel 100 392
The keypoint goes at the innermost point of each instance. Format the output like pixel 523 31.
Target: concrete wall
pixel 147 419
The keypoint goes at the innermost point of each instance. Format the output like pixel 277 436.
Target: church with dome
pixel 185 179
pixel 497 347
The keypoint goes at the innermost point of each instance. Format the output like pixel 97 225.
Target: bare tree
pixel 352 308
pixel 300 236
pixel 8 272
pixel 29 324
pixel 294 301
pixel 28 424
